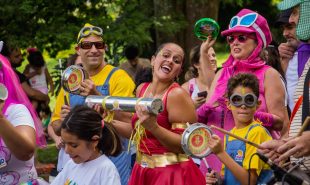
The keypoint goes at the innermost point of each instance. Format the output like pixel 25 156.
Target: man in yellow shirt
pixel 104 80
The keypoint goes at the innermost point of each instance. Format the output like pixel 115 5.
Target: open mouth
pixel 165 69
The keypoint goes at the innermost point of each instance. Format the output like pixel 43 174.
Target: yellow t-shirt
pixel 256 135
pixel 120 84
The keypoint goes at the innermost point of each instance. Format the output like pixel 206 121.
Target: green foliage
pixel 53 25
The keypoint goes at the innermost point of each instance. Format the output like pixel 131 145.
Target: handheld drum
pixel 3 92
pixel 195 140
pixel 205 27
pixel 72 78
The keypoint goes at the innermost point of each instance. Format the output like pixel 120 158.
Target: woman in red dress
pixel 160 158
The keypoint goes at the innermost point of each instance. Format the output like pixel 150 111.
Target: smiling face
pixel 79 150
pixel 168 62
pixel 243 115
pixel 92 58
pixel 242 50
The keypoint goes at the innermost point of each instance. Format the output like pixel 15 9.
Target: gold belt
pixel 161 160
pixel 179 125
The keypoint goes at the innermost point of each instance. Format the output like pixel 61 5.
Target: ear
pixel 77 49
pixel 95 141
pixel 106 47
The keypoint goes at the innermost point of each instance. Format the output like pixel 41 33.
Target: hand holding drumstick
pixel 235 136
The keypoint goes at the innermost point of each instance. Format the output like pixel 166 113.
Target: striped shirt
pixel 297 120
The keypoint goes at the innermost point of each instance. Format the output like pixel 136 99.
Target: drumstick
pixel 235 136
pixel 66 99
pixel 304 126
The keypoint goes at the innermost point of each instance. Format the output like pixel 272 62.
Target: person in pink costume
pixel 247 35
pixel 17 95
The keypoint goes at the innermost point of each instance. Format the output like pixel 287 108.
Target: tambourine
pixel 72 78
pixel 205 27
pixel 3 92
pixel 195 140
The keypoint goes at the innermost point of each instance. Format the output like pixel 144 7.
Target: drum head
pixel 3 92
pixel 72 78
pixel 205 27
pixel 195 140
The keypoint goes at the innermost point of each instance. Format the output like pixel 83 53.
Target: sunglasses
pixel 86 31
pixel 89 45
pixel 249 100
pixel 245 21
pixel 241 38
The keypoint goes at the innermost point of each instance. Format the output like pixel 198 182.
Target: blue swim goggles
pixel 245 21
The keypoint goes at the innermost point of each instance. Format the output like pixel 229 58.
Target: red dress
pixel 182 173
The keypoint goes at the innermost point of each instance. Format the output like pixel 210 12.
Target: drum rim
pixel 66 75
pixel 186 134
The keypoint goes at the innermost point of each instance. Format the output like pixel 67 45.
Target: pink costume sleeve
pixel 265 118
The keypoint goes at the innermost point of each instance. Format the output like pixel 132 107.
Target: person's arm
pixel 49 81
pixel 21 140
pixel 27 72
pixel 275 101
pixel 213 85
pixel 238 171
pixel 286 53
pixel 54 136
pixel 59 112
pixel 33 93
pixel 180 110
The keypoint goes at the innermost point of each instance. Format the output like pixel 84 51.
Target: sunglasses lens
pixel 236 100
pixel 230 39
pixel 89 45
pixel 99 45
pixel 86 45
pixel 248 20
pixel 249 100
pixel 242 38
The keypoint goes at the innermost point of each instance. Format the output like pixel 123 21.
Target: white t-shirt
pixel 39 81
pixel 291 77
pixel 100 171
pixel 63 158
pixel 16 171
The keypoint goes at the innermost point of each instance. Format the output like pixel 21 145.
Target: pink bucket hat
pixel 248 21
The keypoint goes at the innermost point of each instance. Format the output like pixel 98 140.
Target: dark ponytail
pixel 85 122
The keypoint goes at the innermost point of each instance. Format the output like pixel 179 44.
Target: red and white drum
pixel 195 140
pixel 72 78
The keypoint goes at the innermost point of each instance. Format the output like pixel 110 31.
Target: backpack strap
pixel 105 87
